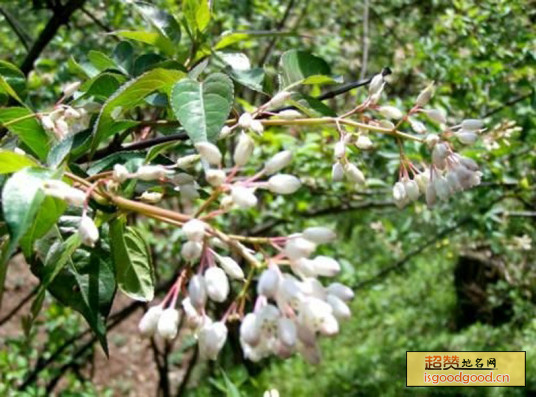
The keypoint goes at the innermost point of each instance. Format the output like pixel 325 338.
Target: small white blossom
pixel 391 112
pixel 337 172
pixel 197 291
pixel 194 230
pixel 425 95
pixel 278 162
pixel 217 284
pixel 243 150
pixel 191 250
pixel 209 152
pixel 215 177
pixel 168 323
pixel 243 197
pixel 230 267
pixel 211 339
pixel 283 184
pixel 319 234
pixel 151 172
pixel 88 231
pixel 120 173
pixel 149 321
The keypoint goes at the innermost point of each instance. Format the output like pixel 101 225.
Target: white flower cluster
pixel 293 310
pixel 65 120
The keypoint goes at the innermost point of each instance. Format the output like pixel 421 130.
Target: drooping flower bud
pixel 217 284
pixel 211 339
pixel 243 197
pixel 319 234
pixel 298 247
pixel 151 172
pixel 283 184
pixel 245 121
pixel 289 114
pixel 168 323
pixel 439 155
pixel 412 189
pixel 191 250
pixel 354 174
pixel 422 180
pixel 249 330
pixel 326 266
pixel 472 124
pixel 230 267
pixel 339 149
pixel 431 196
pixel 225 132
pixel 286 331
pixel 268 283
pixel 63 191
pixel 340 290
pixel 329 326
pixel 432 140
pixel 278 162
pixel 197 291
pixel 120 173
pixel 243 150
pixel 311 353
pixel 149 321
pixel 257 127
pixel 391 112
pixel 417 126
pixel 425 95
pixel 47 122
pixel 441 187
pixel 194 230
pixel 278 99
pixel 466 137
pixel 71 88
pixel 468 163
pixel 186 162
pixel 363 142
pixel 341 310
pixel 436 114
pixel 88 231
pixel 209 152
pixel 215 177
pixel 399 192
pixel 376 84
pixel 194 320
pixel 337 172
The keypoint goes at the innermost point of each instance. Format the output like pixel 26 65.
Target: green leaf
pixel 132 259
pixel 231 390
pixel 123 55
pixel 297 66
pixel 230 38
pixel 103 62
pixel 197 13
pixel 152 38
pixel 128 96
pixel 203 108
pixel 29 130
pixel 164 22
pixel 12 81
pixel 102 86
pixel 146 62
pixel 252 78
pixel 12 162
pixel 310 106
pixel 60 151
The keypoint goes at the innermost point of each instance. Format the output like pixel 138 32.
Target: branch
pixel 365 42
pixel 278 27
pixel 59 17
pixel 509 103
pixel 19 305
pixel 15 25
pixel 189 370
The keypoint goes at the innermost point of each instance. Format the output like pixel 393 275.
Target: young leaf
pixel 103 62
pixel 202 108
pixel 298 66
pixel 164 22
pixel 13 162
pixel 152 38
pixel 197 13
pixel 133 268
pixel 14 79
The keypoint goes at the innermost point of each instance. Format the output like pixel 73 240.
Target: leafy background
pixel 455 278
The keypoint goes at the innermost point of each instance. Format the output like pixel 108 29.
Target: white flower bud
pixel 412 189
pixel 151 197
pixel 226 203
pixel 289 114
pixel 439 155
pixel 47 123
pixel 225 132
pixel 183 178
pixel 298 247
pixel 422 180
pixel 436 115
pixel 399 192
pixel 466 137
pixel 326 266
pixel 71 88
pixel 417 126
pixel 88 231
pixel 194 230
pixel 472 125
pixel 71 113
pixel 391 112
pixel 215 177
pixel 120 173
pixel 187 161
pixel 442 187
pixel 363 142
pixel 211 339
pixel 286 331
pixel 432 140
pixel 243 197
pixel 354 174
pixel 63 191
pixel 151 172
pixel 193 319
pixel 230 267
pixel 283 184
pixel 468 163
pixel 329 326
pixel 339 150
pixel 319 234
pixel 245 121
pixel 268 283
pixel 217 284
pixel 340 309
pixel 249 330
pixel 341 291
pixel 197 291
pixel 168 323
pixel 430 195
pixel 376 84
pixel 243 150
pixel 312 287
pixel 303 267
pixel 305 334
pixel 386 124
pixel 425 95
pixel 191 250
pixel 278 99
pixel 453 182
pixel 149 321
pixel 278 162
pixel 337 172
pixel 209 152
pixel 61 127
pixel 257 127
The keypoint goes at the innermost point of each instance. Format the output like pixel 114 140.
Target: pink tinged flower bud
pixel 453 182
pixel 354 174
pixel 329 326
pixel 168 323
pixel 439 155
pixel 243 150
pixel 215 177
pixel 191 250
pixel 311 353
pixel 47 123
pixel 412 189
pixel 243 197
pixel 364 142
pixel 442 187
pixel 209 152
pixel 298 247
pixel 472 125
pixel 197 291
pixel 217 284
pixel 431 140
pixel 211 339
pixel 466 137
pixel 151 172
pixel 245 121
pixel 391 112
pixel 468 163
pixel 278 162
pixel 225 132
pixel 425 96
pixel 71 88
pixel 194 230
pixel 339 150
pixel 337 172
pixel 303 267
pixel 278 99
pixel 268 283
pixel 250 332
pixel 341 311
pixel 376 84
pixel 422 179
pixel 120 173
pixel 341 291
pixel 436 115
pixel 149 321
pixel 257 127
pixel 283 184
pixel 286 331
pixel 417 126
pixel 289 114
pixel 430 195
pixel 326 266
pixel 319 234
pixel 230 267
pixel 193 319
pixel 399 192
pixel 88 231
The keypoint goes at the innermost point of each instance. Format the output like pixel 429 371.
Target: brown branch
pixel 278 27
pixel 188 374
pixel 19 306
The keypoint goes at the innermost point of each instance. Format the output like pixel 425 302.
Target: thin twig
pixel 365 42
pixel 14 311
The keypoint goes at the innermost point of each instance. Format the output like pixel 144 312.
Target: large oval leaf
pixel 13 162
pixel 203 108
pixel 302 67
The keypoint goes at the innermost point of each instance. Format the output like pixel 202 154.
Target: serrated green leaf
pixel 164 22
pixel 152 38
pixel 297 66
pixel 12 81
pixel 103 62
pixel 133 267
pixel 12 162
pixel 203 108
